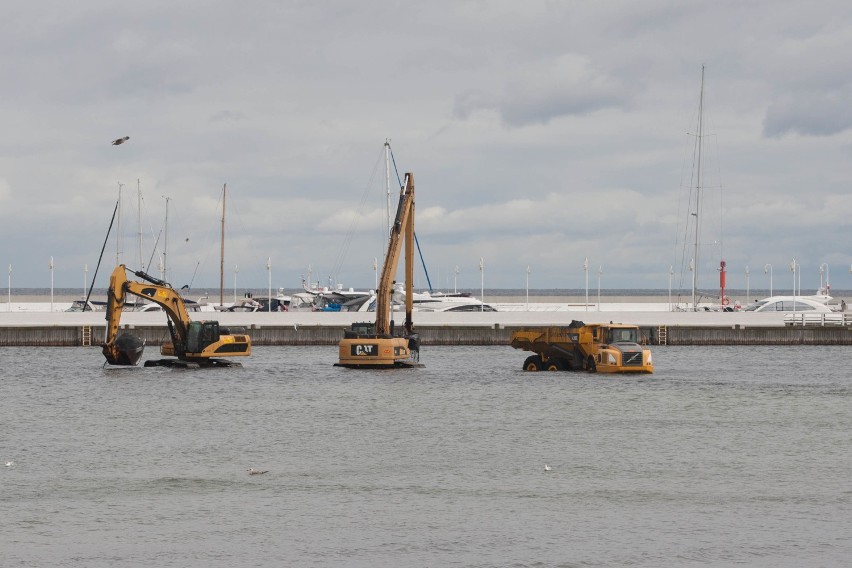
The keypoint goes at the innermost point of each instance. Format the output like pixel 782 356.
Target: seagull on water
pixel 10 463
pixel 252 471
pixel 546 467
pixel 118 141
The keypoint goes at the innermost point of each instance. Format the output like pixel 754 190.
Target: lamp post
pixel 51 283
pixel 269 284
pixel 692 269
pixel 824 268
pixel 236 269
pixel 376 271
pixel 456 276
pixel 671 275
pixel 482 283
pixel 600 273
pixel 166 237
pixel 767 268
pixel 748 291
pixel 528 287
pixel 85 281
pixel 793 267
pixel 586 272
pixel 9 302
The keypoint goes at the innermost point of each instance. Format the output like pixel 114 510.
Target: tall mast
pixel 118 228
pixel 139 221
pixel 222 252
pixel 698 189
pixel 166 238
pixel 387 188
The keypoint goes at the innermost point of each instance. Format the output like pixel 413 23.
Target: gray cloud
pixel 809 114
pixel 564 86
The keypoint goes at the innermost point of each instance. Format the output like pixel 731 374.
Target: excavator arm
pixel 403 229
pixel 154 290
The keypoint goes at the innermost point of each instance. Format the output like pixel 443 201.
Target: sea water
pixel 724 456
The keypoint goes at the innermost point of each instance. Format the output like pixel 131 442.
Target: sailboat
pixel 695 221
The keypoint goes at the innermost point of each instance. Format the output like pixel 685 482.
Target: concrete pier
pixel 465 328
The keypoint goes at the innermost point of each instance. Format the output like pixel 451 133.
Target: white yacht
pixel 789 304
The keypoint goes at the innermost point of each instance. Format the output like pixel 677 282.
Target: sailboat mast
pixel 118 228
pixel 166 239
pixel 699 143
pixel 222 251
pixel 387 189
pixel 139 221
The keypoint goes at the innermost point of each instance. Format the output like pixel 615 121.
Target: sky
pixel 543 136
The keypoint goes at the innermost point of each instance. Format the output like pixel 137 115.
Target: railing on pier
pixel 819 319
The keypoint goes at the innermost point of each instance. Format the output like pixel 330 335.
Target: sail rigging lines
pixel 356 217
pixel 699 214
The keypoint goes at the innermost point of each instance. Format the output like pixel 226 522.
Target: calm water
pixel 725 456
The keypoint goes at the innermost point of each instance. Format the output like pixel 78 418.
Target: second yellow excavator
pixel 200 343
pixel 380 345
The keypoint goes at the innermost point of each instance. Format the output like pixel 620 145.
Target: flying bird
pixel 252 471
pixel 547 467
pixel 118 141
pixel 10 463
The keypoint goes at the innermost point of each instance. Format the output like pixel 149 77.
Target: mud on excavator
pixel 193 343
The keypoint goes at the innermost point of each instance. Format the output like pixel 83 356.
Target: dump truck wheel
pixel 554 365
pixel 533 363
pixel 590 365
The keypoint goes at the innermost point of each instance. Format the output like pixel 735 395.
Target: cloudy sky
pixel 540 133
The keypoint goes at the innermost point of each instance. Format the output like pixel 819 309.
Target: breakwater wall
pixel 496 334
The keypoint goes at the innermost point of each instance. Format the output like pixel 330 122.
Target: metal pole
pixel 9 304
pixel 166 239
pixel 456 277
pixel 139 220
pixel 586 271
pixel 222 250
pixel 793 269
pixel 692 270
pixel 118 228
pixel 236 269
pixel 600 273
pixel 767 268
pixel 51 283
pixel 85 280
pixel 269 288
pixel 482 283
pixel 528 287
pixel 748 290
pixel 671 274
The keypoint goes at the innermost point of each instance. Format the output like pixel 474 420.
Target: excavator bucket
pixel 126 351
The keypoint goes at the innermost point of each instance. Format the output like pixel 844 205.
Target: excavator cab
pixel 200 334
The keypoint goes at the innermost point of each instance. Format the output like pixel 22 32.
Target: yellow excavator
pixel 194 343
pixel 380 345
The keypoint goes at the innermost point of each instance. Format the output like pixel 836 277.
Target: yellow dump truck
pixel 596 347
